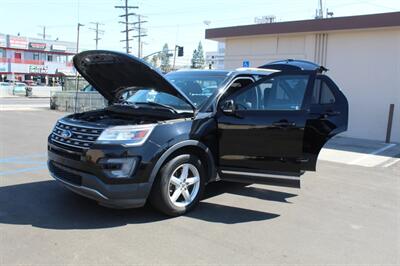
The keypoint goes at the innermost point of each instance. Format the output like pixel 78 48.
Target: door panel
pixel 328 117
pixel 263 139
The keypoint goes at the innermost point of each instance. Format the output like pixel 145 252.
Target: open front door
pixel 261 130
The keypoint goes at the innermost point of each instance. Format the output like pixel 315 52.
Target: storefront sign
pixel 38 69
pixel 56 47
pixel 3 42
pixel 18 42
pixel 37 45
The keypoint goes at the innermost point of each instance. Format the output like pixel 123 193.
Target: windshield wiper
pixel 159 104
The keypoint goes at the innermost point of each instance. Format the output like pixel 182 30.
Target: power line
pixel 126 14
pixel 97 31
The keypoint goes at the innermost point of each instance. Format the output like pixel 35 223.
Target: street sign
pixel 246 63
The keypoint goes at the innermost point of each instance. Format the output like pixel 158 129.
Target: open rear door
pixel 328 116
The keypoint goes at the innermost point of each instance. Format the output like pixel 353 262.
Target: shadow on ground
pixel 46 204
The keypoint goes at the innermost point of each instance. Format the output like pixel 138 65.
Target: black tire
pixel 160 194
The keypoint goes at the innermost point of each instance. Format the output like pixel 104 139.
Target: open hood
pixel 112 72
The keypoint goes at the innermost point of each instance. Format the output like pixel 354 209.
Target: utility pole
pixel 126 14
pixel 141 33
pixel 76 76
pixel 97 31
pixel 43 34
pixel 319 13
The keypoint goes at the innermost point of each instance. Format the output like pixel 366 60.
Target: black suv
pixel 163 138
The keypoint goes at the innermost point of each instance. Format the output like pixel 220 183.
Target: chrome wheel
pixel 184 185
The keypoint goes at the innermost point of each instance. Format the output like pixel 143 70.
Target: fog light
pixel 119 167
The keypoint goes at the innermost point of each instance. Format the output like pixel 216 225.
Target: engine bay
pixel 127 115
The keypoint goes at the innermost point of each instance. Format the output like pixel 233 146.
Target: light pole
pixel 76 76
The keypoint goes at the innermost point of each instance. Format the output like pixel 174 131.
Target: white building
pixel 362 54
pixel 215 59
pixel 24 58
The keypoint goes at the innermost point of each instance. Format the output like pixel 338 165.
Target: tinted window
pixel 197 85
pixel 284 92
pixel 149 95
pixel 322 94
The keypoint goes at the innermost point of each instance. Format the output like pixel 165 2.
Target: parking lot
pixel 345 213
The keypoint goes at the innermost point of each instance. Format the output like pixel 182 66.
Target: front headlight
pixel 127 135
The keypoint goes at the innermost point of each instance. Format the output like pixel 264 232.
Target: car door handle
pixel 331 113
pixel 284 124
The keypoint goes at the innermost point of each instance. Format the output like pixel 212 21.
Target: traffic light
pixel 180 51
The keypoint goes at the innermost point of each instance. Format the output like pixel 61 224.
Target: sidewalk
pixel 367 153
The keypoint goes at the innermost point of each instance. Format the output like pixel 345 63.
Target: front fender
pixel 211 171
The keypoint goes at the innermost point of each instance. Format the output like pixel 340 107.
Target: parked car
pixel 5 85
pixel 19 88
pixel 30 82
pixel 5 89
pixel 89 88
pixel 170 137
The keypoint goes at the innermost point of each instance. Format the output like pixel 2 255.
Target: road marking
pixel 30 159
pixel 366 156
pixel 391 163
pixel 23 170
pixel 17 158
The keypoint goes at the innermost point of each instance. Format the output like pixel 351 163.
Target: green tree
pixel 194 59
pixel 198 60
pixel 200 54
pixel 165 64
pixel 154 60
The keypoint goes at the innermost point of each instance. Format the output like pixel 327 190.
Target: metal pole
pixel 76 76
pixel 390 123
pixel 173 65
pixel 126 26
pixel 97 34
pixel 139 31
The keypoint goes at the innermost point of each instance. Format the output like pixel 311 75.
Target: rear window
pixel 322 93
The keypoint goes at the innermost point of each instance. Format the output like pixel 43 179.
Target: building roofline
pixel 313 25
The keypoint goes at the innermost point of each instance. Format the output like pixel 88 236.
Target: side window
pixel 284 92
pixel 248 100
pixel 322 94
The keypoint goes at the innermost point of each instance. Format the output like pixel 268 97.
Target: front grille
pixel 73 136
pixel 65 175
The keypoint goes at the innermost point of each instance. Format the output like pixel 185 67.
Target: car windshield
pixel 151 96
pixel 196 85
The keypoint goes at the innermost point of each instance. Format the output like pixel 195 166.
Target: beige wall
pixel 365 64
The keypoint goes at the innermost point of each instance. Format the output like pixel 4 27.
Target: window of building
pixel 35 56
pixel 17 55
pixel 50 57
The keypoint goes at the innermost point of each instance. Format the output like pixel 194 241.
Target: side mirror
pixel 228 107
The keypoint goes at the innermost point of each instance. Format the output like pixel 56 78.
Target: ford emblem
pixel 66 134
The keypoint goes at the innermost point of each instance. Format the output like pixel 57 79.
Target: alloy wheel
pixel 184 184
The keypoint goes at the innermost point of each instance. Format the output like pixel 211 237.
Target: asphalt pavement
pixel 343 214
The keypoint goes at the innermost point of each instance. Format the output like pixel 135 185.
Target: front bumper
pixel 81 173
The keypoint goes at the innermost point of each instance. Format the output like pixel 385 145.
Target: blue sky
pixel 173 22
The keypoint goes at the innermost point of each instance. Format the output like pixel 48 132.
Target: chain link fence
pixel 70 101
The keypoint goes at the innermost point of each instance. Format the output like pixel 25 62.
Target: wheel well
pixel 199 152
